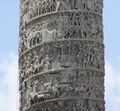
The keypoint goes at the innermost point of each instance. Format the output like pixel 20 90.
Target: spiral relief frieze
pixel 61 55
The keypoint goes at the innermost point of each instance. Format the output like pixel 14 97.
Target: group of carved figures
pixel 34 65
pixel 72 26
pixel 38 8
pixel 60 55
pixel 63 85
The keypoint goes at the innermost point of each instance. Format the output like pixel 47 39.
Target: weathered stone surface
pixel 61 55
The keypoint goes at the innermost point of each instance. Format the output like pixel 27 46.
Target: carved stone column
pixel 61 55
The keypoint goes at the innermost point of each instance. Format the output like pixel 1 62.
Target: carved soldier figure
pixel 23 41
pixel 46 63
pixel 36 63
pixel 31 96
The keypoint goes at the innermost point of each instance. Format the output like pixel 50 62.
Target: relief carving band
pixel 74 25
pixel 34 8
pixel 81 54
pixel 64 84
pixel 61 55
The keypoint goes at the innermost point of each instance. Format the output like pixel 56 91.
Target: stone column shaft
pixel 61 55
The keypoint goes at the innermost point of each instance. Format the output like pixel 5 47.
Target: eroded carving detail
pixel 61 65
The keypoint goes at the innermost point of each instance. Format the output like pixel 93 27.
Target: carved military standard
pixel 61 55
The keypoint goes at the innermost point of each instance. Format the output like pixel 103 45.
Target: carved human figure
pixel 43 10
pixel 93 29
pixel 39 8
pixel 23 40
pixel 24 99
pixel 52 5
pixel 36 65
pixel 29 70
pixel 47 63
pixel 22 77
pixel 73 4
pixel 28 66
pixel 33 96
pixel 83 31
pixel 30 95
pixel 89 4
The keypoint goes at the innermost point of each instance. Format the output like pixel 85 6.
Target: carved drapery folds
pixel 61 62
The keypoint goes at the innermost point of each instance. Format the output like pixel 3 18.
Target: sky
pixel 9 34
